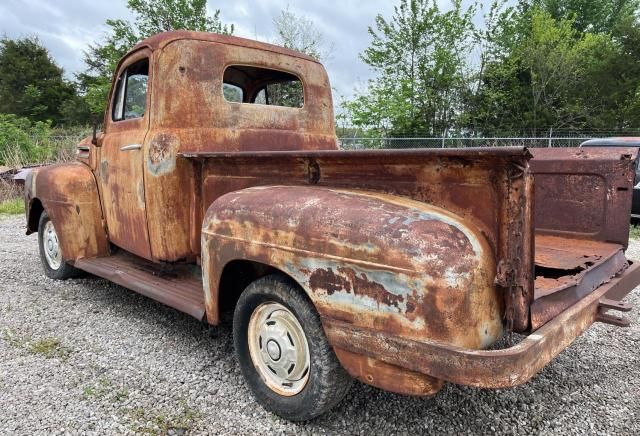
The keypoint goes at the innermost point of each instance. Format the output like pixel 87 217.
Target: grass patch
pixel 12 207
pixel 634 232
pixel 48 347
pixel 152 422
pixel 104 389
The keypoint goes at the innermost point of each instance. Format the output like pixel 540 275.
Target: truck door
pixel 121 156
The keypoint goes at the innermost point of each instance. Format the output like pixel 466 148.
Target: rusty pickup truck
pixel 217 185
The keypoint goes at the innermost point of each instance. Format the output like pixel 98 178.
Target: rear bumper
pixel 485 368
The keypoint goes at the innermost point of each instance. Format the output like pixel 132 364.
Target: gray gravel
pixel 87 356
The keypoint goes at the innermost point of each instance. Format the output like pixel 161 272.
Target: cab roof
pixel 160 40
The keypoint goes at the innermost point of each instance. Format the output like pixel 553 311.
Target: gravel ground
pixel 87 356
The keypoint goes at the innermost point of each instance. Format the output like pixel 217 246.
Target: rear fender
pixel 369 259
pixel 69 195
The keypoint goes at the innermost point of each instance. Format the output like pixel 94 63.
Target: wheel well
pixel 235 277
pixel 35 210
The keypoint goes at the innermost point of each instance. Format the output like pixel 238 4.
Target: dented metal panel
pixel 583 203
pixel 389 377
pixel 485 368
pixel 69 194
pixel 373 260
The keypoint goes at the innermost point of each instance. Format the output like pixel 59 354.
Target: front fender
pixel 69 194
pixel 373 260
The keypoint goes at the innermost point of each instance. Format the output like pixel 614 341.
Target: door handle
pixel 131 147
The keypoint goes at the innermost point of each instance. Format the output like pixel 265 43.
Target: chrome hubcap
pixel 51 246
pixel 279 348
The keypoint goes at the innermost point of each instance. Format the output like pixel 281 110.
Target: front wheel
pixel 283 353
pixel 50 251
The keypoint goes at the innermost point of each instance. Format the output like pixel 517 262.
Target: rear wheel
pixel 283 352
pixel 50 252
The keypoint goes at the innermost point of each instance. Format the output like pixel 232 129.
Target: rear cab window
pixel 263 86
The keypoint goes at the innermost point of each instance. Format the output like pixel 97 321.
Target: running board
pixel 177 286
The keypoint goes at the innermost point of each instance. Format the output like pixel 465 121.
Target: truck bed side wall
pixel 490 189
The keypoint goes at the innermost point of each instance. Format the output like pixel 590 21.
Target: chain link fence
pixel 398 143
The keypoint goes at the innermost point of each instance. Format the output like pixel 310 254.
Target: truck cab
pixel 183 92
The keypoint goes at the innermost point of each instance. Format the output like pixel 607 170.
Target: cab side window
pixel 131 92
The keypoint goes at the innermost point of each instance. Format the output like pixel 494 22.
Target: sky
pixel 66 27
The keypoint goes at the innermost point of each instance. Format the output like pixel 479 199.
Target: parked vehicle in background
pixel 622 142
pixel 217 185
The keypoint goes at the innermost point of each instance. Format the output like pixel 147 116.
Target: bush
pixel 22 141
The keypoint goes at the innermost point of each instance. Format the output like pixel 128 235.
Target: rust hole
pixel 556 273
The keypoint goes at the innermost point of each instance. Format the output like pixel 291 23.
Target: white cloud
pixel 66 27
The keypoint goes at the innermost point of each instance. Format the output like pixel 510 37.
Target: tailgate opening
pixel 582 206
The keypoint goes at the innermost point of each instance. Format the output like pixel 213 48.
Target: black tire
pixel 64 271
pixel 327 382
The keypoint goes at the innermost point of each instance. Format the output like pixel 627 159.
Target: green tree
pixel 31 84
pixel 601 16
pixel 528 67
pixel 151 17
pixel 555 76
pixel 297 33
pixel 419 57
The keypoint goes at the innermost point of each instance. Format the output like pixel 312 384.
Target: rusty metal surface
pixel 370 259
pixel 174 285
pixel 69 194
pixel 187 74
pixel 563 253
pixel 483 368
pixel 388 377
pixel 120 175
pixel 161 40
pixel 471 184
pixel 190 72
pixel 584 193
pixel 574 288
pixel 84 155
pixel 563 262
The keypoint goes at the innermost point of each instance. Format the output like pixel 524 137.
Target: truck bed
pixel 557 218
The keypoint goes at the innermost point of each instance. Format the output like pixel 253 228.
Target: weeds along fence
pixel 50 149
